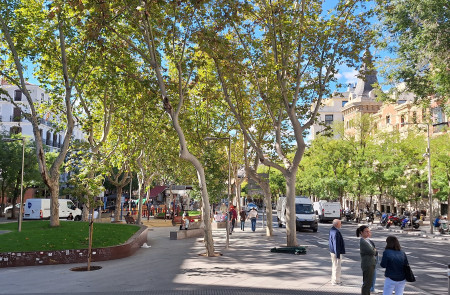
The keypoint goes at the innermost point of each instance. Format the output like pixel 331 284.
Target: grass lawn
pixel 39 236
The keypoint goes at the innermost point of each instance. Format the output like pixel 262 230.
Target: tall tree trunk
pixel 54 204
pixel 139 217
pixel 118 203
pixel 291 230
pixel 268 200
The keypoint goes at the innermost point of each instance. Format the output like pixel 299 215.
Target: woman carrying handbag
pixel 395 262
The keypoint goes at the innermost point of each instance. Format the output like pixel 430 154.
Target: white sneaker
pixel 376 291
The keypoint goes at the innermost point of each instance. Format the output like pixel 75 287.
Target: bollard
pixel 448 274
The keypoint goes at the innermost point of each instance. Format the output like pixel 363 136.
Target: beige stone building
pixel 399 115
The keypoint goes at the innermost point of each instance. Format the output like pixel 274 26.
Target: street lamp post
pixel 229 184
pixel 21 179
pixel 430 190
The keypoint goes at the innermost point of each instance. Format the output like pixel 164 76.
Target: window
pixel 304 209
pixel 414 117
pixel 15 130
pixel 401 101
pixel 42 97
pixel 48 138
pixel 55 139
pixel 328 119
pixel 17 95
pixel 402 120
pixel 17 112
pixel 344 102
pixel 388 119
pixel 438 115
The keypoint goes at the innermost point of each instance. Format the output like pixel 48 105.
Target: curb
pixel 13 259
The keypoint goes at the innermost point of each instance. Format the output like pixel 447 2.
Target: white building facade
pixel 12 120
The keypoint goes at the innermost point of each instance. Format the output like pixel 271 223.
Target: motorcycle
pixel 406 222
pixel 395 220
pixel 369 217
pixel 384 219
pixel 349 215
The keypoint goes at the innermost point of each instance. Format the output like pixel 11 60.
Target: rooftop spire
pixel 367 76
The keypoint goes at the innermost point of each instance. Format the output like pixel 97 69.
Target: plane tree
pixel 417 33
pixel 285 55
pixel 52 40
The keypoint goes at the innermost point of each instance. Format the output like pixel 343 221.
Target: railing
pixel 440 127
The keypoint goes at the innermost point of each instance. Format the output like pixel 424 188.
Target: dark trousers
pixel 367 280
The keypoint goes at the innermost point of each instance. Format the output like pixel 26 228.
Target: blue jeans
pixel 390 285
pixel 242 224
pixel 253 220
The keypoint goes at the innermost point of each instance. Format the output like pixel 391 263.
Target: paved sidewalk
pixel 175 267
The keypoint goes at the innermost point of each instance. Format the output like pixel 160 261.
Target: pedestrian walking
pixel 337 249
pixel 394 260
pixel 232 218
pixel 368 253
pixel 253 215
pixel 243 217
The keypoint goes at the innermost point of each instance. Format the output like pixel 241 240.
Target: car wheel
pixel 315 230
pixel 78 218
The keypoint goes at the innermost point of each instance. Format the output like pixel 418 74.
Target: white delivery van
pixel 304 211
pixel 327 211
pixel 40 209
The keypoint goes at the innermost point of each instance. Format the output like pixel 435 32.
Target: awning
pixel 154 192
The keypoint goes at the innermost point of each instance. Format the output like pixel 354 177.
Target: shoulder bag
pixel 408 273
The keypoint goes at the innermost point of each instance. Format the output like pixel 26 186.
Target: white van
pixel 327 211
pixel 304 211
pixel 40 209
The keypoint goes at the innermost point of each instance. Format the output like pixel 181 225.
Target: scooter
pixel 443 228
pixel 369 217
pixel 384 219
pixel 349 215
pixel 406 222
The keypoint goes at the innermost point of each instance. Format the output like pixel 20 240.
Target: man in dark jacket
pixel 337 248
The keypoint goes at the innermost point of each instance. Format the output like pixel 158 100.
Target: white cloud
pixel 349 77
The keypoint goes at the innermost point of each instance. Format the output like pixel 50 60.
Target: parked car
pixel 250 206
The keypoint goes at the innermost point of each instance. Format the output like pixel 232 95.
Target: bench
pixel 194 231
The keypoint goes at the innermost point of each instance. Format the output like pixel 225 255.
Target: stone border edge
pixel 12 259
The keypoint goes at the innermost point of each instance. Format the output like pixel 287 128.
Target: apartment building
pixel 12 120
